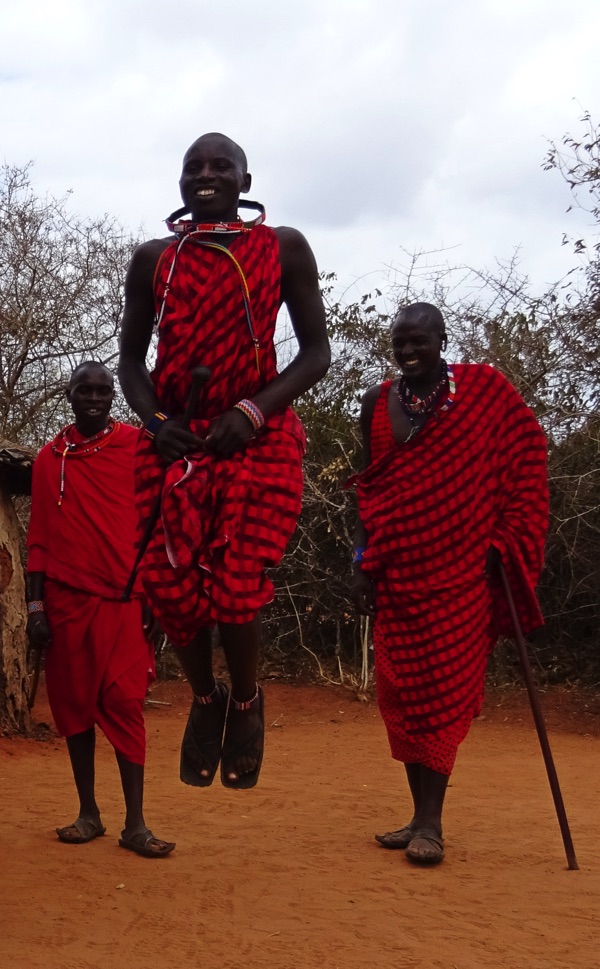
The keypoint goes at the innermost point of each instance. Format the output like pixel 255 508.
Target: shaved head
pixel 90 365
pixel 421 314
pixel 228 143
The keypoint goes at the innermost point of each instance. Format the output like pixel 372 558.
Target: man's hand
pixel 363 593
pixel 38 630
pixel 229 433
pixel 173 442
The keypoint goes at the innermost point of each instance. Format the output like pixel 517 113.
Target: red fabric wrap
pixel 98 667
pixel 99 664
pixel 473 477
pixel 223 521
pixel 88 541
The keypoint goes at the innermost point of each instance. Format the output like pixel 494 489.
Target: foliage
pixel 61 300
pixel 61 296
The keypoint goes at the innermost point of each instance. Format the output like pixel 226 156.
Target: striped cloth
pixel 223 521
pixel 475 476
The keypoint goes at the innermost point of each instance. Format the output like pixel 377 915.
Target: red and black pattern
pixel 474 476
pixel 223 521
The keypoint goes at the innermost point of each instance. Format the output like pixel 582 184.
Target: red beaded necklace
pixel 79 449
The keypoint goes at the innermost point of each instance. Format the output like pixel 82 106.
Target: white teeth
pixel 205 191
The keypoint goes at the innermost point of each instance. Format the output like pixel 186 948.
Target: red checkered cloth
pixel 475 476
pixel 223 521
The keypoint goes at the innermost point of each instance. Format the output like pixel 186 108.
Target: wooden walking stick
pixel 200 375
pixel 540 725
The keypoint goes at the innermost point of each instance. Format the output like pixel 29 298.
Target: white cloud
pixel 370 125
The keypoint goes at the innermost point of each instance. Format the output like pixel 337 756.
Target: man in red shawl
pixel 454 479
pixel 231 484
pixel 81 551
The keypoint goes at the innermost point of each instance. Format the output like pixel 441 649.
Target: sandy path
pixel 287 876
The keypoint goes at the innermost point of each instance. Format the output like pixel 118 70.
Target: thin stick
pixel 199 377
pixel 35 679
pixel 540 725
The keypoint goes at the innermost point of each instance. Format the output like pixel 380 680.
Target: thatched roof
pixel 15 467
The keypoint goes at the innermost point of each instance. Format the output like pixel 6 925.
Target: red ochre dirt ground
pixel 288 876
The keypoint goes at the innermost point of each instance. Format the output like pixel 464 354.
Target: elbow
pixel 322 361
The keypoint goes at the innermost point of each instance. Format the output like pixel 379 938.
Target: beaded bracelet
pixel 252 412
pixel 151 427
pixel 358 553
pixel 36 605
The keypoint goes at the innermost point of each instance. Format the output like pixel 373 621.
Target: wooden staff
pixel 540 725
pixel 200 375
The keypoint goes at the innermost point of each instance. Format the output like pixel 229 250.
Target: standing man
pixel 231 484
pixel 81 550
pixel 454 480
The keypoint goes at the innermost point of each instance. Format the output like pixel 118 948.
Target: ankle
pixel 248 703
pixel 206 698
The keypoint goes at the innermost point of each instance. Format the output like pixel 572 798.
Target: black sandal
pixel 253 746
pixel 203 750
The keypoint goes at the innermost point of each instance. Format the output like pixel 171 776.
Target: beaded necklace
pixel 190 232
pixel 181 227
pixel 414 406
pixel 89 445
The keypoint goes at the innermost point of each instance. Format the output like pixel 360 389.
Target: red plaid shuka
pixel 475 476
pixel 223 521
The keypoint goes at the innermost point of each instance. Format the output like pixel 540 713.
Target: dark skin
pixel 418 340
pixel 213 177
pixel 90 392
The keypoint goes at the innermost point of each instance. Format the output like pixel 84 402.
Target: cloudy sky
pixel 374 126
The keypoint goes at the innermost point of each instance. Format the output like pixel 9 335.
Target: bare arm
pixel 302 296
pixel 136 331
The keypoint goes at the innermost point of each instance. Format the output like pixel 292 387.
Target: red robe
pixel 99 663
pixel 223 521
pixel 475 476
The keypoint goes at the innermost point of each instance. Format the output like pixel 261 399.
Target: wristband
pixel 358 553
pixel 252 412
pixel 36 605
pixel 151 427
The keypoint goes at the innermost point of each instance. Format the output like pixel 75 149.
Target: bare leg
pixel 206 719
pixel 135 831
pixel 426 846
pixel 196 662
pixel 132 780
pixel 413 774
pixel 428 788
pixel 82 749
pixel 87 826
pixel 241 645
pixel 433 792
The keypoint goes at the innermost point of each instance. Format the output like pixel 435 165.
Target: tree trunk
pixel 14 713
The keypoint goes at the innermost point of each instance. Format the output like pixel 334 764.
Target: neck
pixel 87 427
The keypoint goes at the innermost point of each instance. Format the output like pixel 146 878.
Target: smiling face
pixel 90 393
pixel 418 337
pixel 213 176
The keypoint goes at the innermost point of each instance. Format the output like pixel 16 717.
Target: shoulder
pixel 481 375
pixel 293 246
pixel 145 257
pixel 370 398
pixel 46 452
pixel 127 436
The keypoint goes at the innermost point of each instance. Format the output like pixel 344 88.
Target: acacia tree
pixel 61 300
